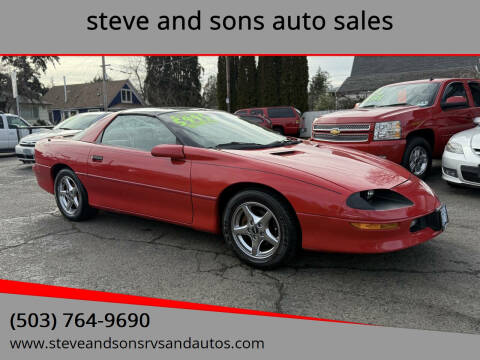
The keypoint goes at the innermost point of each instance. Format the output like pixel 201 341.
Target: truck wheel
pixel 418 157
pixel 278 129
pixel 260 228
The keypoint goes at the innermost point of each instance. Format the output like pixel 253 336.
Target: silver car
pixel 25 150
pixel 461 158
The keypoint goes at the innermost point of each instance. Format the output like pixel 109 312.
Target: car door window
pixel 454 89
pixel 15 122
pixel 137 132
pixel 475 89
pixel 1 123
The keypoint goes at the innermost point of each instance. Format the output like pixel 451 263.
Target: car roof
pixel 439 80
pixel 162 110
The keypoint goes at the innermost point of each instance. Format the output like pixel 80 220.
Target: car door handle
pixel 97 158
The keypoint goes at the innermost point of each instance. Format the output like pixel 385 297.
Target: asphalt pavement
pixel 434 286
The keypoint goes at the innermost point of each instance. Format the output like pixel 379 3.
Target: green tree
pixel 28 69
pixel 247 82
pixel 319 97
pixel 283 80
pixel 269 71
pixel 173 80
pixel 209 95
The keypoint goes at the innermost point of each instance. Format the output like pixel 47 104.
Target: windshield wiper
pixel 367 106
pixel 284 142
pixel 397 104
pixel 63 128
pixel 238 145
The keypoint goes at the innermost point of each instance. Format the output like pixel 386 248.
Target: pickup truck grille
pixel 341 132
pixel 341 137
pixel 342 127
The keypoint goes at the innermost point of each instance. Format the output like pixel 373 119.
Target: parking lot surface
pixel 435 285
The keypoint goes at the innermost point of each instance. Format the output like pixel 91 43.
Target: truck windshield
pixel 419 94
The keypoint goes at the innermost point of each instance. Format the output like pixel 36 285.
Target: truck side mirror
pixel 476 120
pixel 455 101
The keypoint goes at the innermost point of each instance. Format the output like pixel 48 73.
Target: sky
pixel 79 69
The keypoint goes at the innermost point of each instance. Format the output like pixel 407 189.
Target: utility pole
pixel 227 64
pixel 104 83
pixel 15 91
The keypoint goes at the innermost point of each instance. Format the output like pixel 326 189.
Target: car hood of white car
pixel 33 138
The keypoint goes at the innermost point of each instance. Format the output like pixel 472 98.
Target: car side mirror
pixel 476 120
pixel 175 152
pixel 356 105
pixel 455 101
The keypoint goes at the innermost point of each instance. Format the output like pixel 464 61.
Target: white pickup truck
pixel 9 136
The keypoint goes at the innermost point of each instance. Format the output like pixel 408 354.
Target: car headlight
pixel 454 147
pixel 389 130
pixel 378 199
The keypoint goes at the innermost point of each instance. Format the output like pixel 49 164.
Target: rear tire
pixel 418 157
pixel 261 228
pixel 71 196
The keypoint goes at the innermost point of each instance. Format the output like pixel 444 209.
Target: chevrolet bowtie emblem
pixel 335 131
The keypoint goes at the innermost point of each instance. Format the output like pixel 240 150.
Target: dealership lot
pixel 432 286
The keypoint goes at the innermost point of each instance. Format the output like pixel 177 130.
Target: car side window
pixel 475 89
pixel 14 122
pixel 454 89
pixel 137 132
pixel 256 112
pixel 1 123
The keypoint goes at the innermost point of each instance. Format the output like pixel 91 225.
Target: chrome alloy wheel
pixel 418 161
pixel 255 230
pixel 68 195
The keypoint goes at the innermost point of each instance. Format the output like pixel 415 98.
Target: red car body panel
pixel 440 123
pixel 315 179
pixel 289 125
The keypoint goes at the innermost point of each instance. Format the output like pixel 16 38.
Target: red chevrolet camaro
pixel 268 194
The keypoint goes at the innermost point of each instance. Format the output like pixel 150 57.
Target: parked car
pixel 408 123
pixel 9 123
pixel 69 127
pixel 461 158
pixel 285 119
pixel 268 194
pixel 259 120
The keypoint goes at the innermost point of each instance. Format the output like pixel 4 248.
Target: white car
pixel 9 124
pixel 25 150
pixel 461 158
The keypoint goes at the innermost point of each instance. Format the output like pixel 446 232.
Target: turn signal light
pixel 370 226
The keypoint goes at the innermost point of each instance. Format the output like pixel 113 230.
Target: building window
pixel 126 96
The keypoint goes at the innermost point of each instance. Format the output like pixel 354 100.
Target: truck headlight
pixel 454 147
pixel 389 130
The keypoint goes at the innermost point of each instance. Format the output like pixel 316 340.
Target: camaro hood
pixel 350 169
pixel 363 115
pixel 48 134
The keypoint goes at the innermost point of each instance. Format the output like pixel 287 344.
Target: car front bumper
pixel 461 168
pixel 339 235
pixel 25 153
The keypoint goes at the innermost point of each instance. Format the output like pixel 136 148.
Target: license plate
pixel 444 216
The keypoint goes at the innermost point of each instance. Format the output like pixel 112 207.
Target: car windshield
pixel 419 94
pixel 79 121
pixel 217 129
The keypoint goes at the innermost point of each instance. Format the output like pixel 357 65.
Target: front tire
pixel 260 228
pixel 71 196
pixel 418 157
